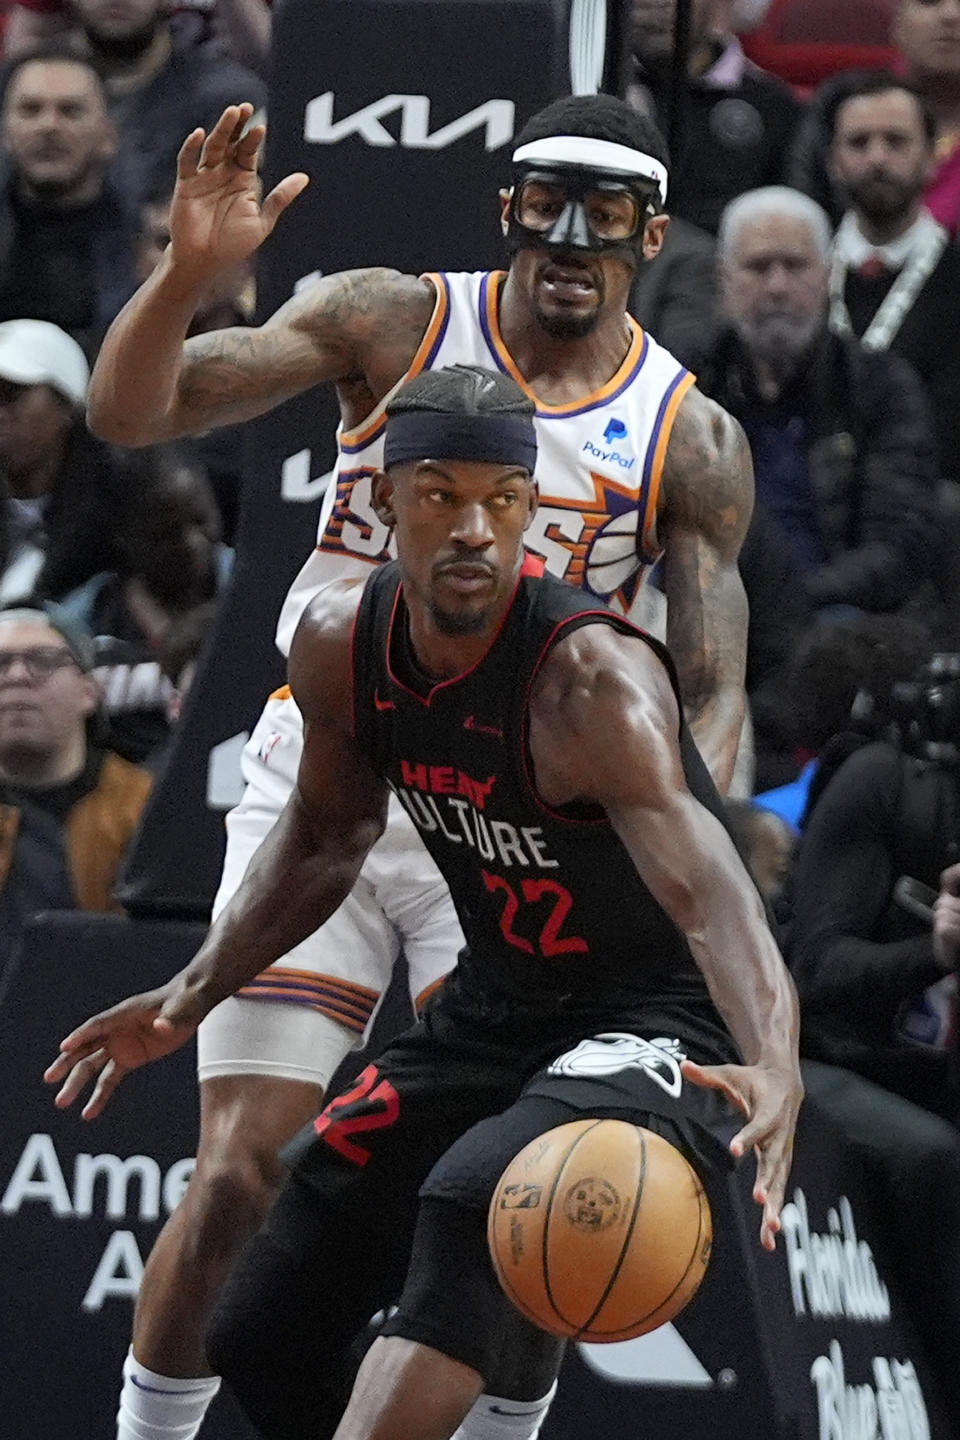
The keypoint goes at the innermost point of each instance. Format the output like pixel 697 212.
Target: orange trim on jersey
pixel 659 455
pixel 350 1005
pixel 424 995
pixel 284 693
pixel 311 978
pixel 584 402
pixel 437 321
pixel 355 439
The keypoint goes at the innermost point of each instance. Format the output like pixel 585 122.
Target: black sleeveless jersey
pixel 551 905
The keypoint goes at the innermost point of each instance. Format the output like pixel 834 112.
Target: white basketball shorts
pixel 299 1019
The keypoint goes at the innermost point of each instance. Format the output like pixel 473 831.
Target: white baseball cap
pixel 34 352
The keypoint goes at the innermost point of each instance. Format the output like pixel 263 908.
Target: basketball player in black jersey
pixel 538 744
pixel 561 317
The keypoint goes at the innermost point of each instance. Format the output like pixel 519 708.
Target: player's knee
pixel 230 1194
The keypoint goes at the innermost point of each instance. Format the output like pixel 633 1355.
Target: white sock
pixel 156 1407
pixel 493 1418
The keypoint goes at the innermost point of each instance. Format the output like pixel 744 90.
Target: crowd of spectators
pixel 111 561
pixel 811 278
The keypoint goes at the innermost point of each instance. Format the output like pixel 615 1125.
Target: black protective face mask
pixel 566 208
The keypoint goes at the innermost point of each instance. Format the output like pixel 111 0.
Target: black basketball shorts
pixel 426 1137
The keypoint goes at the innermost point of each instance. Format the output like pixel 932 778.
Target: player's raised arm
pixel 151 384
pixel 706 507
pixel 604 726
pixel 302 872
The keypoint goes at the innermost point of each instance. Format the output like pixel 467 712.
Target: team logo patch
pixel 608 1053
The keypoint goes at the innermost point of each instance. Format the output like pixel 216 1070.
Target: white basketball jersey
pixel 598 465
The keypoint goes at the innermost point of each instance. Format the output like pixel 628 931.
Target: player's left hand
pixel 108 1046
pixel 770 1097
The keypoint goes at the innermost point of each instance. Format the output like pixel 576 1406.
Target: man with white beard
pixel 841 438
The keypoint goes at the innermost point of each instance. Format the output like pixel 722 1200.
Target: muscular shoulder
pixel 707 482
pixel 320 668
pixel 367 313
pixel 599 700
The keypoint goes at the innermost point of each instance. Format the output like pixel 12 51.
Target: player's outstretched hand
pixel 217 217
pixel 770 1098
pixel 144 1028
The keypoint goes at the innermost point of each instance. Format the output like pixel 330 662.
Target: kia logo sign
pixel 494 117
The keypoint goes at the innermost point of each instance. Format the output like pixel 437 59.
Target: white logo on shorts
pixel 606 1054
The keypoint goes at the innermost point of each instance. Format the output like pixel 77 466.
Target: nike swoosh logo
pixel 382 704
pixel 497 1410
pixel 471 724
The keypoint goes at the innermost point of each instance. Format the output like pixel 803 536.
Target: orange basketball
pixel 599 1231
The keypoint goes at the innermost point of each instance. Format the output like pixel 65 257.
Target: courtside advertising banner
pixel 810 1343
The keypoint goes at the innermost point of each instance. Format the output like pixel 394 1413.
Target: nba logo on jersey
pixel 616 430
pixel 608 1053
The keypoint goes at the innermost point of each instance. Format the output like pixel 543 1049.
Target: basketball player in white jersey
pixel 634 462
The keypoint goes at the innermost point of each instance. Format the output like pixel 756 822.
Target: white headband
pixel 593 155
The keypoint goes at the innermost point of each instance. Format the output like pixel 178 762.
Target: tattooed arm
pixel 149 384
pixel 705 506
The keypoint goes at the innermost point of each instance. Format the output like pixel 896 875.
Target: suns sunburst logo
pixel 599 541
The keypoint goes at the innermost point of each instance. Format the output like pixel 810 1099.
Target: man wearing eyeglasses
pixel 68 809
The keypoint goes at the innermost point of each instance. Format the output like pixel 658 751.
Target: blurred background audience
pixel 68 807
pixel 926 39
pixel 237 28
pixel 895 275
pixel 171 564
pixel 737 122
pixel 766 842
pixel 878 995
pixel 159 84
pixel 861 942
pixel 66 233
pixel 841 437
pixel 61 486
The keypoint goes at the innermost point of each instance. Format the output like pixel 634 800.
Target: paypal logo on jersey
pixel 616 430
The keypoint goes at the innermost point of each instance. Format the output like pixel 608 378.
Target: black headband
pixel 497 439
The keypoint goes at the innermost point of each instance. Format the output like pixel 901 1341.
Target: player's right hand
pixel 217 218
pixel 770 1096
pixel 104 1048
